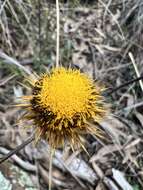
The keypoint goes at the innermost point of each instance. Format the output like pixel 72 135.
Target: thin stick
pixel 136 69
pixel 50 167
pixel 17 149
pixel 58 33
pixel 10 60
pixel 125 84
pixel 39 27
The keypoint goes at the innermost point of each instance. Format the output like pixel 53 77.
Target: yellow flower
pixel 62 105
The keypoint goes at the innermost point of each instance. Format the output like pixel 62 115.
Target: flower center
pixel 65 92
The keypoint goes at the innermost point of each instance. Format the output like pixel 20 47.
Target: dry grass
pixel 106 41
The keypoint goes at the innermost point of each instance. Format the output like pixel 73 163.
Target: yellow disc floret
pixel 65 93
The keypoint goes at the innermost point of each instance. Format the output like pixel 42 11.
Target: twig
pixel 5 80
pixel 17 149
pixel 10 60
pixel 23 164
pixel 125 84
pixel 136 69
pixel 58 33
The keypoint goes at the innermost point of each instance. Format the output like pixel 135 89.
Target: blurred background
pixel 103 38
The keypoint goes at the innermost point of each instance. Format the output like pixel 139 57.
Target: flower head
pixel 62 104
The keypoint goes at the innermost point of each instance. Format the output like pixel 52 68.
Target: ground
pixel 101 38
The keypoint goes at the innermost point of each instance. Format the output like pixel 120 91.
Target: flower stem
pixel 52 151
pixel 58 33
